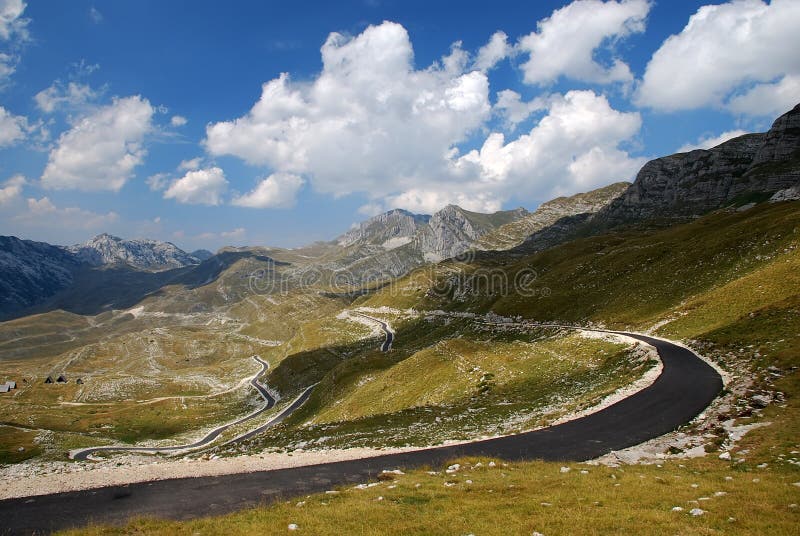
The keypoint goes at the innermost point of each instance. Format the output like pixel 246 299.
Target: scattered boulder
pixel 760 401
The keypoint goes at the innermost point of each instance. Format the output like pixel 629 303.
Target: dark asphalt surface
pixel 388 335
pixel 208 438
pixel 685 387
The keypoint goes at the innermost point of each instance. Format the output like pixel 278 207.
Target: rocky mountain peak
pixel 395 226
pixel 144 254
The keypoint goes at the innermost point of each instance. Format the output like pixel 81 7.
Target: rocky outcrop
pixel 31 272
pixel 548 214
pixel 390 228
pixel 750 167
pixel 143 254
pixel 453 230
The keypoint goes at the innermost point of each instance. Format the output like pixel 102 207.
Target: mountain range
pixel 747 169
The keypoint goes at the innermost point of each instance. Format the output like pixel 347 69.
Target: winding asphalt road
pixel 388 333
pixel 685 387
pixel 208 438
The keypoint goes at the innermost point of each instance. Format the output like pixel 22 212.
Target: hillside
pixel 547 214
pixel 31 272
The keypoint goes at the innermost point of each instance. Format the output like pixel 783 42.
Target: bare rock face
pixel 554 214
pixel 782 141
pixel 143 254
pixel 753 166
pixel 390 228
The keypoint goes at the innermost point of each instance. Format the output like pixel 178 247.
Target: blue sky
pixel 172 120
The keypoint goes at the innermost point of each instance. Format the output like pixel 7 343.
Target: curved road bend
pixel 685 387
pixel 388 333
pixel 208 438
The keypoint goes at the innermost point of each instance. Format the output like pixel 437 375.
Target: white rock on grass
pixel 565 470
pixel 696 512
pixel 677 509
pixel 725 456
pixel 293 526
pixel 392 472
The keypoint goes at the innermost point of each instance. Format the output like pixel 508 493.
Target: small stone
pixel 696 512
pixel 728 478
pixel 293 526
pixel 720 493
pixel 725 456
pixel 492 464
pixel 565 470
pixel 731 519
pixel 762 465
pixel 300 504
pixel 535 533
pixel 695 486
pixel 584 472
pixel 546 504
pixel 677 509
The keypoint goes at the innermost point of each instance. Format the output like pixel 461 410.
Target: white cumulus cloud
pixel 496 50
pixel 373 123
pixel 769 99
pixel 741 54
pixel 12 127
pixel 513 109
pixel 102 149
pixel 73 95
pixel 707 142
pixel 11 189
pixel 370 121
pixel 178 121
pixel 279 190
pixel 575 147
pixel 191 164
pixel 43 213
pixel 566 43
pixel 13 34
pixel 199 187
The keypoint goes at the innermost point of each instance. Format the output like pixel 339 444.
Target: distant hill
pixel 201 254
pixel 31 271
